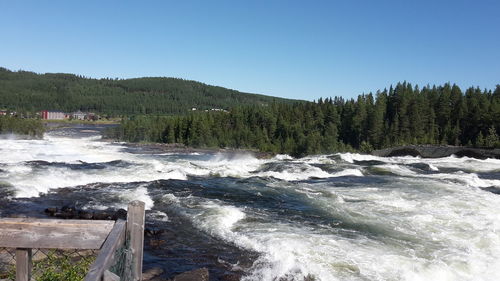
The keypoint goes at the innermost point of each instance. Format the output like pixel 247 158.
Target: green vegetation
pixel 401 115
pixel 28 127
pixel 30 92
pixel 57 267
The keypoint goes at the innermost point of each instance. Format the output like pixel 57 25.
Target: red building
pixel 53 115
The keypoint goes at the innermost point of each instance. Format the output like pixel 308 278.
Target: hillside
pixel 401 115
pixel 28 91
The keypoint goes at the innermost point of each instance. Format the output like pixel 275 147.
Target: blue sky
pixel 294 49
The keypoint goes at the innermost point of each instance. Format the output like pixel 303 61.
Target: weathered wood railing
pixel 108 237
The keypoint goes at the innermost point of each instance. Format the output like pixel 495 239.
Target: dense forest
pixel 400 115
pixel 27 127
pixel 24 91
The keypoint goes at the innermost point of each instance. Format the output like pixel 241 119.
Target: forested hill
pixel 400 115
pixel 28 91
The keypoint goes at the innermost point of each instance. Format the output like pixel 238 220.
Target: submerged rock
pixel 200 274
pixel 230 277
pixel 151 273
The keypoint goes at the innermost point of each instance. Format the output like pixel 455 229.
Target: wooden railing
pixel 25 234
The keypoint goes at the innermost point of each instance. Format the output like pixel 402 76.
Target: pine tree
pixel 480 140
pixel 492 139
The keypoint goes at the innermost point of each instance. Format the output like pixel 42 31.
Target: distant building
pixel 53 115
pixel 91 116
pixel 79 115
pixel 218 109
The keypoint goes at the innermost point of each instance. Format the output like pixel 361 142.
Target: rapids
pixel 325 217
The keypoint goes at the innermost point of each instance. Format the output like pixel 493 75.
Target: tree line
pixel 27 127
pixel 24 91
pixel 400 115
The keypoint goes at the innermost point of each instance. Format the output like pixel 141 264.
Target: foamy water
pixel 327 217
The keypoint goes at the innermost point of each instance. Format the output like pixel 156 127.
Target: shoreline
pixel 180 148
pixel 438 151
pixel 422 151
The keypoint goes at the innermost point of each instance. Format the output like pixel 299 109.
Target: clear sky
pixel 295 49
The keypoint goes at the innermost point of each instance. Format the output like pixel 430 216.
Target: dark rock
pixel 120 214
pixel 65 215
pixel 84 215
pixel 230 277
pixel 151 273
pixel 67 212
pixel 67 209
pixel 102 216
pixel 492 189
pixel 151 231
pixel 51 211
pixel 200 274
pixel 406 151
pixel 471 154
pixel 435 151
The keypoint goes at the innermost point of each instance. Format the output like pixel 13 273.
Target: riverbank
pixel 433 151
pixel 153 148
pixel 82 128
pixel 423 151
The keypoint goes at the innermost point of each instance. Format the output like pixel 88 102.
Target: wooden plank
pixel 54 221
pixel 23 264
pixel 135 233
pixel 50 233
pixel 106 257
pixel 110 276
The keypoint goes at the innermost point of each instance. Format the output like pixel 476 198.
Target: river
pixel 325 217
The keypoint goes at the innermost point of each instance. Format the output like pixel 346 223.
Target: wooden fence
pixel 109 237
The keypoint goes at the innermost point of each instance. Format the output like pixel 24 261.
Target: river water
pixel 326 217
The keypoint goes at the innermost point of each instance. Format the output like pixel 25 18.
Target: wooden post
pixel 135 234
pixel 23 264
pixel 106 257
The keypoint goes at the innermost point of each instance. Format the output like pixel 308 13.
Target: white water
pixel 408 225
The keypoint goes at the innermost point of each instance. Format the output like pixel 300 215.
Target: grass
pixel 57 267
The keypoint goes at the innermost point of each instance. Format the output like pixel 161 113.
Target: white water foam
pixel 418 226
pixel 351 157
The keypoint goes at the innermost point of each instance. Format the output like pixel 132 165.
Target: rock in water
pixel 84 215
pixel 120 214
pixel 51 211
pixel 151 273
pixel 200 274
pixel 230 277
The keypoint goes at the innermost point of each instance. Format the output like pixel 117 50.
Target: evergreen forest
pixel 400 115
pixel 160 110
pixel 24 91
pixel 26 127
